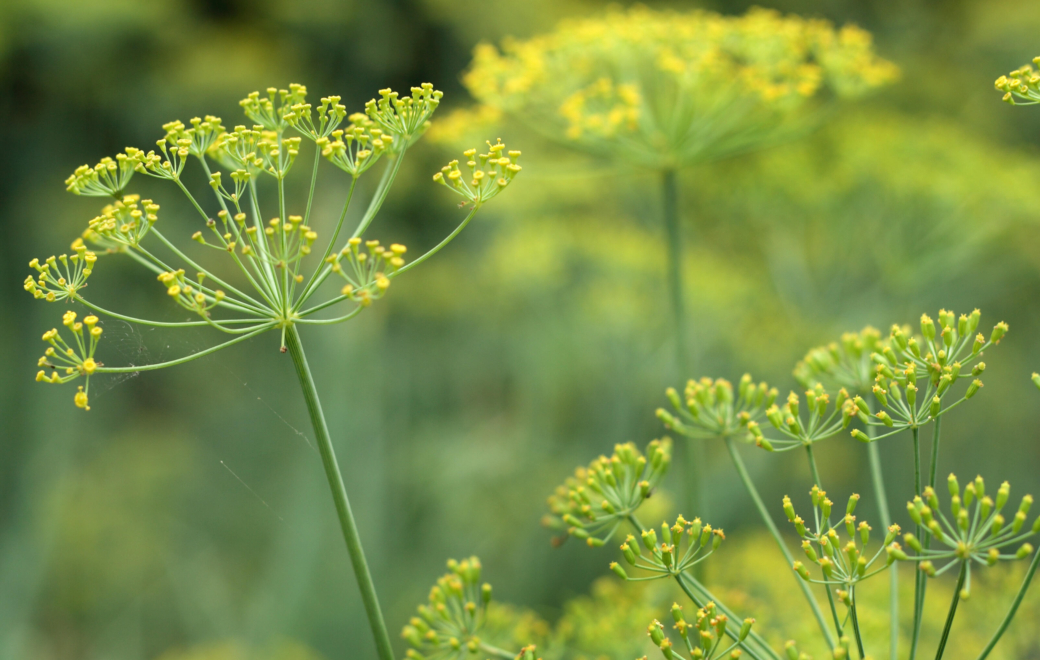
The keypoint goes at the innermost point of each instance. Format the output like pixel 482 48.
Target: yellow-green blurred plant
pixel 664 90
pixel 267 276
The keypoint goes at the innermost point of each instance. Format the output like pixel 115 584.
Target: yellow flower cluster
pixel 67 362
pixel 60 282
pixel 667 88
pixel 356 148
pixel 122 224
pixel 368 273
pixel 489 173
pixel 1021 86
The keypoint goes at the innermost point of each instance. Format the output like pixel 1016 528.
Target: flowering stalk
pixel 266 286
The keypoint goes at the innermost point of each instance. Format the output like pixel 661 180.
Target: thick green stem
pixel 738 463
pixel 694 450
pixel 953 611
pixel 886 521
pixel 1014 607
pixel 339 496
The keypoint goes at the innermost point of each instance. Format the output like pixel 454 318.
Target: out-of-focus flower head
pixel 663 89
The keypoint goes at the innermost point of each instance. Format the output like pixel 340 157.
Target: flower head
pixel 447 627
pixel 664 89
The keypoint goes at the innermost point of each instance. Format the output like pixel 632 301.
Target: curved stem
pixel 738 463
pixel 812 465
pixel 339 496
pixel 953 611
pixel 1014 607
pixel 338 319
pixel 440 245
pixel 188 358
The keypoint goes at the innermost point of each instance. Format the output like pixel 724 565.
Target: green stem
pixel 339 496
pixel 440 245
pixel 919 578
pixel 694 451
pixel 812 466
pixel 855 626
pixel 937 426
pixel 738 463
pixel 1014 607
pixel 886 521
pixel 953 611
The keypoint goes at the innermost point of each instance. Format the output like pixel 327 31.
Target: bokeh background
pixel 186 516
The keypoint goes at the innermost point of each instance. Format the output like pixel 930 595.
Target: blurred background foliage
pixel 186 518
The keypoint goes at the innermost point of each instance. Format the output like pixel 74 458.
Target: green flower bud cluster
pixel 843 563
pixel 122 224
pixel 711 409
pixel 845 364
pixel 448 626
pixel 597 499
pixel 367 274
pixel 703 638
pixel 62 276
pixel 802 426
pixel 356 148
pixel 480 184
pixel 68 362
pixel 913 375
pixel 1021 86
pixel 668 558
pixel 976 530
pixel 106 179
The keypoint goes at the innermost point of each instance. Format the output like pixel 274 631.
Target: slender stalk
pixel 1014 607
pixel 812 465
pixel 886 521
pixel 339 496
pixel 738 463
pixel 437 248
pixel 693 450
pixel 953 611
pixel 936 427
pixel 855 626
pixel 919 577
